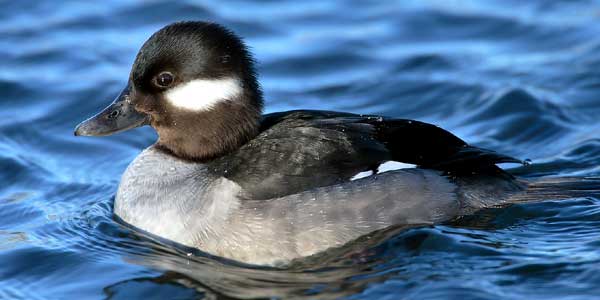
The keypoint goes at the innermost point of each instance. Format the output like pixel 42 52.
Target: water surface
pixel 520 77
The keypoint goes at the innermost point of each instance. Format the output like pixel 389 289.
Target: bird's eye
pixel 164 79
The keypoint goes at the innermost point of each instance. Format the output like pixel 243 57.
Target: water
pixel 521 77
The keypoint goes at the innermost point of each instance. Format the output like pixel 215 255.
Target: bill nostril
pixel 113 114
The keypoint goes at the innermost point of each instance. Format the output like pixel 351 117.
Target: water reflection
pixel 520 77
pixel 332 274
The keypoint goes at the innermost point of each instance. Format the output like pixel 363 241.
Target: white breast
pixel 175 199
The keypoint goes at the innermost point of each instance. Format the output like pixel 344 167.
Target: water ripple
pixel 519 77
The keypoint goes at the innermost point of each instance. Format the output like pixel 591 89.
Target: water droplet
pixel 527 162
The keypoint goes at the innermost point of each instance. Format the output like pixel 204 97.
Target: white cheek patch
pixel 386 166
pixel 203 94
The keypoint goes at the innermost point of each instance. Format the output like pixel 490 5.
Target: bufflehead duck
pixel 267 189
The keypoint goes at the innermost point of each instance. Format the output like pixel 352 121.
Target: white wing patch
pixel 386 166
pixel 203 94
pixel 361 175
pixel 394 165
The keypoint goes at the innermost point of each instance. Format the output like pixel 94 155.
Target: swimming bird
pixel 268 189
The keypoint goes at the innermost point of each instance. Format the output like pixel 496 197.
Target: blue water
pixel 520 77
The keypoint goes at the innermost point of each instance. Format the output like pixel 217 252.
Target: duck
pixel 268 189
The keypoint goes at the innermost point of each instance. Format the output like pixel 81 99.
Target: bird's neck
pixel 211 134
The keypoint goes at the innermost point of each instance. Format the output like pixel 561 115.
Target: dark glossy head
pixel 195 84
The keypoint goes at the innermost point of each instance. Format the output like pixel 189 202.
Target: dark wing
pixel 299 150
pixel 432 147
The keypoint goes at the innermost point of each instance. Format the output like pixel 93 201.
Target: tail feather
pixel 558 188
